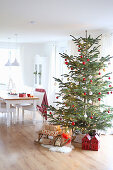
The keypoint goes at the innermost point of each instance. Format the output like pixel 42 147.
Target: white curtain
pixel 56 68
pixel 107 49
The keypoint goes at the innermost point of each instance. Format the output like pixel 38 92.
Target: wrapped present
pixel 59 128
pixel 78 138
pixel 50 133
pixel 67 130
pixel 46 126
pixel 52 128
pixel 22 94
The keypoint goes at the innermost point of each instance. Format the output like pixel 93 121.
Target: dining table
pixel 15 100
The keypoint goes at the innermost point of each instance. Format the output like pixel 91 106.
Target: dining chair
pixel 12 109
pixel 41 93
pixel 31 108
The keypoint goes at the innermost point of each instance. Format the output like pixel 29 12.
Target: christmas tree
pixel 83 89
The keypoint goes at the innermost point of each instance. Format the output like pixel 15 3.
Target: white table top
pixel 4 95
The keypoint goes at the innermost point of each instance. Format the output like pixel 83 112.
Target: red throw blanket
pixel 43 109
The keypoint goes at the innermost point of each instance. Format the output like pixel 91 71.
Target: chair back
pixel 40 95
pixel 43 108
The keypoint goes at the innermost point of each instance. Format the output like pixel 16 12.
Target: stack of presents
pixel 54 135
pixel 58 136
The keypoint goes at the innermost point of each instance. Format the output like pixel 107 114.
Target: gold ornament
pixel 104 69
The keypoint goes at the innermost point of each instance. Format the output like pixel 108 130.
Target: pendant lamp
pixel 8 63
pixel 9 59
pixel 15 62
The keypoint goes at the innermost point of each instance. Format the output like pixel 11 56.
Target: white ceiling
pixel 54 19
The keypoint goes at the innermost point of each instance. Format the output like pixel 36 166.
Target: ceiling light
pixel 15 63
pixel 9 58
pixel 8 63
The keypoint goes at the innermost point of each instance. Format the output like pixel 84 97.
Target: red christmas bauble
pixel 99 99
pixel 88 59
pixel 78 50
pixel 56 97
pixel 109 78
pixel 73 123
pixel 91 117
pixel 84 63
pixel 111 92
pixel 71 68
pixel 81 56
pixel 108 111
pixel 107 92
pixel 72 105
pixel 66 63
pixel 50 113
pixel 99 73
pixel 79 46
pixel 109 85
pixel 91 81
pixel 99 93
pixel 84 79
pixel 65 59
pixel 84 93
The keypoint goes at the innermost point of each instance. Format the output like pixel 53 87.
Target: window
pixel 9 72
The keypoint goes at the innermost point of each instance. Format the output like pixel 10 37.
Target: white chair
pixel 3 109
pixel 28 107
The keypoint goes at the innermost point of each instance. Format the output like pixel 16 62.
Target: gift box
pixel 22 94
pixel 67 131
pixel 50 133
pixel 52 127
pixel 78 138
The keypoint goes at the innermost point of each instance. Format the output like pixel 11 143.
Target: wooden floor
pixel 18 152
